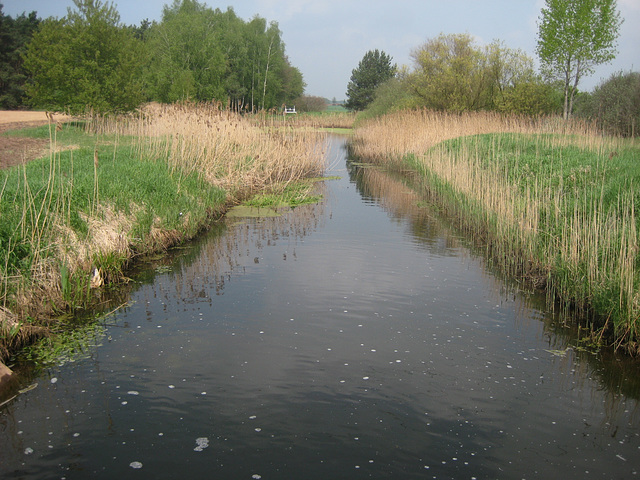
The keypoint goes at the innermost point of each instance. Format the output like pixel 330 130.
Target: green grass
pixel 64 190
pixel 291 195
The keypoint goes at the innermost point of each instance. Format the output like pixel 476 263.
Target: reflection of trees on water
pixel 395 193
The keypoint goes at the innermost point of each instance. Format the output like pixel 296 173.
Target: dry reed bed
pixel 225 148
pixel 581 250
pixel 309 121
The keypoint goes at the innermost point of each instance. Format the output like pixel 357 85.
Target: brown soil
pixel 18 150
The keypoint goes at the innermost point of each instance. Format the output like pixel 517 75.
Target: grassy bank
pixel 112 189
pixel 554 204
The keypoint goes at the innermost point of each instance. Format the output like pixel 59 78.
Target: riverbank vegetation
pixel 553 202
pixel 114 188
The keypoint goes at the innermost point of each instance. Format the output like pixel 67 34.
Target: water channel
pixel 357 338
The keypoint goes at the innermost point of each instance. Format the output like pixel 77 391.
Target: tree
pixel 210 55
pixel 308 103
pixel 14 36
pixel 374 69
pixel 614 104
pixel 450 73
pixel 84 60
pixel 188 62
pixel 573 37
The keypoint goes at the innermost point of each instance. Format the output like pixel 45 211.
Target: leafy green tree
pixel 204 54
pixel 84 60
pixel 573 37
pixel 187 62
pixel 392 95
pixel 450 73
pixel 292 83
pixel 374 69
pixel 14 36
pixel 532 97
pixel 506 70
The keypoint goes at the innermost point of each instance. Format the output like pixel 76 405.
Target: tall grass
pixel 113 188
pixel 555 203
pixel 224 148
pixel 306 120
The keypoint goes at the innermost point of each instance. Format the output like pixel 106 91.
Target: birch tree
pixel 574 36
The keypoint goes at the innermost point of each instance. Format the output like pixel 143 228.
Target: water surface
pixel 357 338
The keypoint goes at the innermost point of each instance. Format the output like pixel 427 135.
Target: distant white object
pixel 289 110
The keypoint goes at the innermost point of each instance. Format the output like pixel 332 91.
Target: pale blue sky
pixel 326 39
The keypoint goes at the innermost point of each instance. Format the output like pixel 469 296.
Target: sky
pixel 326 39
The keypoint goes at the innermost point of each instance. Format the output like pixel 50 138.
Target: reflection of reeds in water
pixel 224 255
pixel 400 200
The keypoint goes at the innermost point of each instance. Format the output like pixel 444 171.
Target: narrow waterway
pixel 356 338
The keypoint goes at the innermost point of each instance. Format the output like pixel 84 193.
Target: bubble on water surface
pixel 256 476
pixel 135 465
pixel 28 451
pixel 133 392
pixel 54 380
pixel 201 444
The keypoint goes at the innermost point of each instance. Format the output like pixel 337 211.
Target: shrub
pixel 614 104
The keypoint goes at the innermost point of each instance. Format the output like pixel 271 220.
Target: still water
pixel 356 338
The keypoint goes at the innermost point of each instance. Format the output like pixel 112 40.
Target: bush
pixel 308 103
pixel 614 105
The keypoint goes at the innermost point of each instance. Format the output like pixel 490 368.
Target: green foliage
pixel 373 70
pixel 614 105
pixel 394 94
pixel 187 61
pixel 204 54
pixel 575 36
pixel 14 36
pixel 85 60
pixel 449 73
pixel 533 97
pixel 452 73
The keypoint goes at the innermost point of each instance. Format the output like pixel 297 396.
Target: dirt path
pixel 18 150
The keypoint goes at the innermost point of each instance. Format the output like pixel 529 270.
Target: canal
pixel 361 337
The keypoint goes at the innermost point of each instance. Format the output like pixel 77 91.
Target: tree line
pixel 452 72
pixel 89 59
